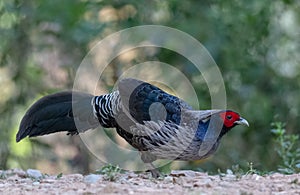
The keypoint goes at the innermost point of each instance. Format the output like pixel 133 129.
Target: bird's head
pixel 213 125
pixel 232 119
pixel 211 119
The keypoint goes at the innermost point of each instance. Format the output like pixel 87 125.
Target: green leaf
pixel 59 175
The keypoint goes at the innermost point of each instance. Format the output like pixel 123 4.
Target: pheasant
pixel 159 125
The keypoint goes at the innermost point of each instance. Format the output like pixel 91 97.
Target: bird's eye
pixel 229 117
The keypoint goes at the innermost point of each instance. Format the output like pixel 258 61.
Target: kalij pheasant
pixel 159 125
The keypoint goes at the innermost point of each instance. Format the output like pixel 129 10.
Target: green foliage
pixel 110 172
pixel 287 148
pixel 238 171
pixel 249 170
pixel 59 175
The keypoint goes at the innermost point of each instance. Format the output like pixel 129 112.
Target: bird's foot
pixel 154 172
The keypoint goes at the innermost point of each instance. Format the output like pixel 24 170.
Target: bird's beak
pixel 242 121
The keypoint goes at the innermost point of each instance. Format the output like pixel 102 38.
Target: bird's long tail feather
pixel 64 111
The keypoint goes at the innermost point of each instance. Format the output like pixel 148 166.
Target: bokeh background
pixel 256 45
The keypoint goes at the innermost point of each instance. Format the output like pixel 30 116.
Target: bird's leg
pixel 154 172
pixel 148 158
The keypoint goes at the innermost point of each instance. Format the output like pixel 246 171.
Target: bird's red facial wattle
pixel 232 118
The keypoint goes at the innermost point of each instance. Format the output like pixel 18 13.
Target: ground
pixel 177 182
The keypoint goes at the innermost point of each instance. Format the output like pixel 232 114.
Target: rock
pixel 36 174
pixel 3 185
pixel 36 183
pixel 186 173
pixel 50 181
pixel 138 182
pixel 229 172
pixel 76 177
pixel 92 178
pixel 187 185
pixel 168 179
pixel 131 175
pixel 230 177
pixel 203 183
pixel 20 173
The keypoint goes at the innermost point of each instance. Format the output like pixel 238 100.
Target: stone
pixel 36 174
pixel 92 178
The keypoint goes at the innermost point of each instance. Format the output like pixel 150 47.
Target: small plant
pixel 252 170
pixel 287 148
pixel 239 171
pixel 59 175
pixel 235 171
pixel 110 172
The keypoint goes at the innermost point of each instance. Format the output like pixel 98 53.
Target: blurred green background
pixel 256 45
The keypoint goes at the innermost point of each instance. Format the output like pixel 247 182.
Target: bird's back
pixel 144 104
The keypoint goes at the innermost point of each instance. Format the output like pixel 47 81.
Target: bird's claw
pixel 155 173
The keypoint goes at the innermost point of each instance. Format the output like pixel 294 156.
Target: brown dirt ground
pixel 178 182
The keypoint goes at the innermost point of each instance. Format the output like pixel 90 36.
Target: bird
pixel 159 125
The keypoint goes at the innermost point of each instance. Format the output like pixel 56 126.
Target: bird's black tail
pixel 64 111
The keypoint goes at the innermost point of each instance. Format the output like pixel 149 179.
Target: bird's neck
pixel 203 128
